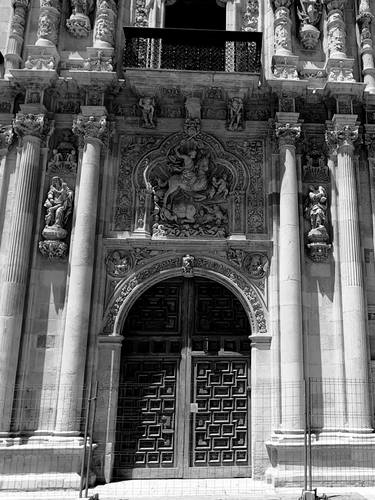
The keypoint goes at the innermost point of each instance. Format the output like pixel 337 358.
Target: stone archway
pixel 128 290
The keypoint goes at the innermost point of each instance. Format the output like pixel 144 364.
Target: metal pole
pixel 85 442
pixel 305 458
pixel 92 420
pixel 309 432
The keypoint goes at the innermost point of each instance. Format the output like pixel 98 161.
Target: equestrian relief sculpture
pixel 190 194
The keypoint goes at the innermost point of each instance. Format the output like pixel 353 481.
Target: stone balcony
pixel 192 59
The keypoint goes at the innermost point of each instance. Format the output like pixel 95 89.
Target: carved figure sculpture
pixel 147 104
pixel 118 264
pixel 316 207
pixel 59 203
pixel 309 13
pixel 235 110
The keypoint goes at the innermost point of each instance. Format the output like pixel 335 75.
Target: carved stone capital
pixel 333 5
pixel 30 124
pixel 287 133
pixel 6 137
pixel 91 127
pixel 345 135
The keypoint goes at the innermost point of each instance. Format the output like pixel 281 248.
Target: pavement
pixel 193 489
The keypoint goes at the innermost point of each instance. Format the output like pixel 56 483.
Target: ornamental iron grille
pixel 195 50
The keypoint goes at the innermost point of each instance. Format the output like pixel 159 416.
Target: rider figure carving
pixel 188 174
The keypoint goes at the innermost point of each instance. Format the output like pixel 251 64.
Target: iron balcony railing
pixel 196 50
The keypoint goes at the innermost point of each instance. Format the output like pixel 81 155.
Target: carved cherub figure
pixel 147 104
pixel 235 113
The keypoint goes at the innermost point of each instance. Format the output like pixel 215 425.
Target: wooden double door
pixel 184 398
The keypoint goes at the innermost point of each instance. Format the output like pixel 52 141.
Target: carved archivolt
pixel 131 287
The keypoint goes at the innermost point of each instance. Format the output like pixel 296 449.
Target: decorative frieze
pixel 105 23
pixel 100 62
pixel 43 62
pixel 309 13
pixel 91 127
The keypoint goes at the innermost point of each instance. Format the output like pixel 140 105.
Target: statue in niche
pixel 147 105
pixel 235 111
pixel 59 203
pixel 190 194
pixel 59 206
pixel 316 206
pixel 309 13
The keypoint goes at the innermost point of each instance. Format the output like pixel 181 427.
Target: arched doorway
pixel 183 406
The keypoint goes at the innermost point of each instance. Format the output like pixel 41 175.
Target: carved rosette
pixel 340 137
pixel 282 27
pixel 287 133
pixel 91 127
pixel 105 23
pixel 78 24
pixel 336 28
pixel 48 24
pixel 26 124
pixel 6 138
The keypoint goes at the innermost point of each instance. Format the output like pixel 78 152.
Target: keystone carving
pixel 188 266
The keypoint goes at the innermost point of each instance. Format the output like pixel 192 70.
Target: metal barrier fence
pixel 217 431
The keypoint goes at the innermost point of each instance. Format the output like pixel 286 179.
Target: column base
pixel 40 462
pixel 338 458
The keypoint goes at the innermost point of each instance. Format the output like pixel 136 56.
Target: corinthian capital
pixel 91 127
pixel 287 133
pixel 6 136
pixel 30 124
pixel 345 135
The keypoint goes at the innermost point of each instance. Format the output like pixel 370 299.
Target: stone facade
pixel 121 168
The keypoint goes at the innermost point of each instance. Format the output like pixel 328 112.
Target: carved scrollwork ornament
pixel 30 124
pixel 91 127
pixel 250 16
pixel 287 133
pixel 6 137
pixel 346 135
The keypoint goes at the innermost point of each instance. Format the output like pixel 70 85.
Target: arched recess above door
pixel 131 287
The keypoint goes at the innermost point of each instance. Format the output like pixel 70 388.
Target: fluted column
pixel 92 131
pixel 14 273
pixel 291 352
pixel 6 138
pixel 343 137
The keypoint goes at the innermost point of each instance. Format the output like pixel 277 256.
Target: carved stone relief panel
pixel 193 187
pixel 252 152
pixel 131 151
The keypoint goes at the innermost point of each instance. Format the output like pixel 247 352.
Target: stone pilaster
pixel 91 127
pixel 6 138
pixel 14 45
pixel 339 67
pixel 291 351
pixel 342 137
pixel 15 270
pixel 364 20
pixel 284 63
